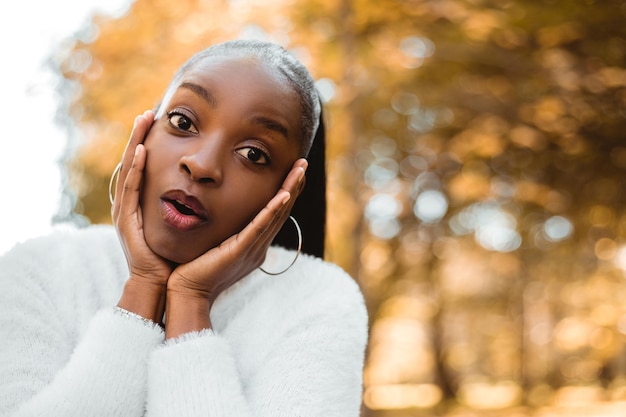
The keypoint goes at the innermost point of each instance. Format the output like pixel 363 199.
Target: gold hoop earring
pixel 116 171
pixel 297 253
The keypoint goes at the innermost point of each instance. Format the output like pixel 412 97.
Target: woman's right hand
pixel 144 293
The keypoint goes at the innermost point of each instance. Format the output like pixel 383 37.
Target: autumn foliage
pixel 477 160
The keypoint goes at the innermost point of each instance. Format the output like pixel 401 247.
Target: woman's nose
pixel 203 164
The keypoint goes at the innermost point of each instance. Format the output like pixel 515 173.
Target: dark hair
pixel 310 207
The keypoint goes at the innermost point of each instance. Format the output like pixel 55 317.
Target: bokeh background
pixel 34 140
pixel 477 154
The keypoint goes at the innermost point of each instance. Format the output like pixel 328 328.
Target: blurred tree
pixel 477 162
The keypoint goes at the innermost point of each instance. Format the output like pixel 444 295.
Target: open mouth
pixel 183 209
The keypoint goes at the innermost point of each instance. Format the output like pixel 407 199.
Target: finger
pixel 293 185
pixel 295 179
pixel 129 204
pixel 280 216
pixel 277 209
pixel 141 127
pixel 255 232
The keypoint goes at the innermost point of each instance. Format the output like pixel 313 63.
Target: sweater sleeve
pixel 105 376
pixel 310 365
pixel 50 362
pixel 195 376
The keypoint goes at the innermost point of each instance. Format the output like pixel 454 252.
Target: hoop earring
pixel 297 253
pixel 116 171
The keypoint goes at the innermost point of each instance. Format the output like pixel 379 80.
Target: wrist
pixel 186 312
pixel 144 299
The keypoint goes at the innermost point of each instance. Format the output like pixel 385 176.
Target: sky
pixel 31 143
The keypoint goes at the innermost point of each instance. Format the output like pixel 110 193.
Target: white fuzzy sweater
pixel 288 345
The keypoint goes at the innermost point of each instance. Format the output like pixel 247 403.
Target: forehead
pixel 244 78
pixel 214 67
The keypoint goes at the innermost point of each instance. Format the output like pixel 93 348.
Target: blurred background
pixel 477 163
pixel 32 175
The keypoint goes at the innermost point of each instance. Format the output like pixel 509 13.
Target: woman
pixel 194 314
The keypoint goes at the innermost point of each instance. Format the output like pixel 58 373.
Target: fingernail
pixel 286 198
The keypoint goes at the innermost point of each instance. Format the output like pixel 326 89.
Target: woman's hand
pixel 194 286
pixel 144 292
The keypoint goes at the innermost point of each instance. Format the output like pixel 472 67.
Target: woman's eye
pixel 182 122
pixel 255 155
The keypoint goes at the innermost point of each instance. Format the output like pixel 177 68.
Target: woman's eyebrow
pixel 200 91
pixel 270 124
pixel 262 121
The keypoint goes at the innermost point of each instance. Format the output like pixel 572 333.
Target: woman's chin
pixel 171 252
pixel 176 259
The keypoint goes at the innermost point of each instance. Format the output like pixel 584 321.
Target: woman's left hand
pixel 194 286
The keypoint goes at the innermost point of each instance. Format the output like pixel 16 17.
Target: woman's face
pixel 223 141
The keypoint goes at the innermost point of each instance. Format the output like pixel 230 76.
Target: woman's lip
pixel 185 199
pixel 177 219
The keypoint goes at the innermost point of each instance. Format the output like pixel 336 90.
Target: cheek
pixel 159 155
pixel 247 199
